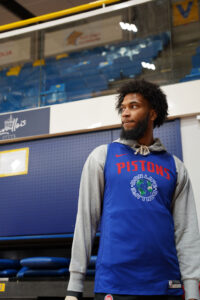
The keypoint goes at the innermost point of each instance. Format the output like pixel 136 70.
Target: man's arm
pixel 88 216
pixel 186 232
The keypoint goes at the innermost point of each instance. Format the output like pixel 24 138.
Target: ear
pixel 153 115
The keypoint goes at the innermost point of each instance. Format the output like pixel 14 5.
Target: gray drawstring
pixel 143 150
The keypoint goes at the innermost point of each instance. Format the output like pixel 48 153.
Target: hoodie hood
pixel 157 146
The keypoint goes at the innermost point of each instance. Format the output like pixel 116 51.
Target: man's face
pixel 136 116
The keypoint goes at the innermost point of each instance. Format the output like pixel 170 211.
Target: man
pixel 149 233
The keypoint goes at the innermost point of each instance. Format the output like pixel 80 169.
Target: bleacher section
pixel 79 75
pixel 40 267
pixel 195 71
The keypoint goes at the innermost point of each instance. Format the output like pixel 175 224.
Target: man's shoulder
pixel 99 150
pixel 180 168
pixel 179 163
pixel 98 154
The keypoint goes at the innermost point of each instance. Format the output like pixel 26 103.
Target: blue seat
pixel 196 61
pixel 55 94
pixel 195 71
pixel 111 72
pixel 6 263
pixel 165 37
pixel 30 97
pixel 96 83
pixel 122 61
pixel 88 69
pixel 73 85
pixel 198 50
pixel 45 262
pixel 8 273
pixel 96 59
pixel 27 272
pixel 149 52
pixel 190 77
pixel 51 97
pixel 135 68
pixel 79 94
pixel 157 45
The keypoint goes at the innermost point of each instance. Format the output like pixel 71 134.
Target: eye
pixel 134 106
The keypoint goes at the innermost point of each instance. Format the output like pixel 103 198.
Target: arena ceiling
pixel 16 10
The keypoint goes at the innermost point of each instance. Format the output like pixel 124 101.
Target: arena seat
pixel 30 97
pixel 122 61
pixel 111 72
pixel 9 267
pixel 196 60
pixel 195 71
pixel 198 50
pixel 133 69
pixel 45 262
pixel 78 94
pixel 8 273
pixel 49 267
pixel 96 82
pixel 76 83
pixel 9 263
pixel 190 78
pixel 55 94
pixel 27 272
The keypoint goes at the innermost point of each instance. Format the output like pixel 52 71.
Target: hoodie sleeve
pixel 88 216
pixel 186 232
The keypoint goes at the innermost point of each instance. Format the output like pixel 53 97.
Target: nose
pixel 125 112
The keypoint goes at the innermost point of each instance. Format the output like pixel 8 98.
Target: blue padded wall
pixel 44 202
pixel 170 136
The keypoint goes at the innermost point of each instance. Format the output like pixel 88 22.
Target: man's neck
pixel 147 140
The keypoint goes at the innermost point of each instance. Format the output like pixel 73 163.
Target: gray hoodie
pixel 91 192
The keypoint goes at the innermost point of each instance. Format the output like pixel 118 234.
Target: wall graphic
pixel 77 37
pixel 24 124
pixel 185 12
pixel 15 51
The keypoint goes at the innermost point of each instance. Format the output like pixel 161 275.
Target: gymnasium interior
pixel 61 65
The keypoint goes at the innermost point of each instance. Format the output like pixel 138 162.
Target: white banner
pixel 15 51
pixel 83 36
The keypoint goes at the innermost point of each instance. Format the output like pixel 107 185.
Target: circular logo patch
pixel 108 297
pixel 144 187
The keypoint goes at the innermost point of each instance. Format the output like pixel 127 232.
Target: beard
pixel 137 132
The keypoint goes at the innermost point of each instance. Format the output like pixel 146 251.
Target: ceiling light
pixel 147 65
pixel 128 26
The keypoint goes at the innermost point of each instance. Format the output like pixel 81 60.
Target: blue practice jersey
pixel 137 253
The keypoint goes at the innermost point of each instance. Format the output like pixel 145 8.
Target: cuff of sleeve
pixel 78 295
pixel 191 287
pixel 76 282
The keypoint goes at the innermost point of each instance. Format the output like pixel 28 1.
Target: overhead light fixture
pixel 147 65
pixel 128 26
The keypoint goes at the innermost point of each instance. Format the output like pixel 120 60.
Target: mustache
pixel 128 121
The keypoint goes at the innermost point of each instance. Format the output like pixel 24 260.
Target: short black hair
pixel 151 92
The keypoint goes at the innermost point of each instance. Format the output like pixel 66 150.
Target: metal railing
pixel 58 14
